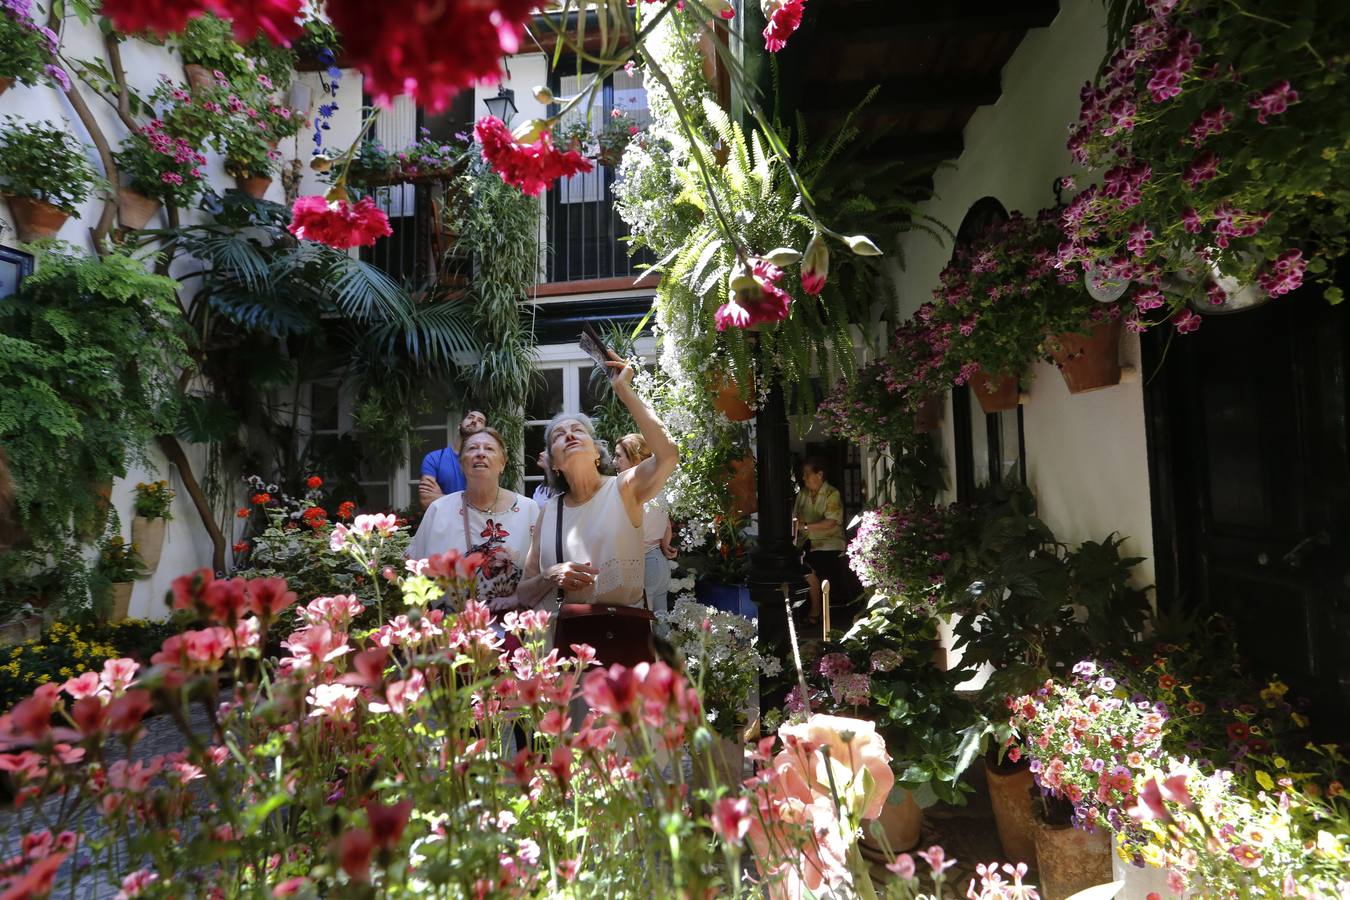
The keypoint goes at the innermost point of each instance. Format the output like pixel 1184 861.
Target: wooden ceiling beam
pixel 908 94
pixel 887 20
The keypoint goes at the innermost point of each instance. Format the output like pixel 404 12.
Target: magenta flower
pixel 1140 235
pixel 1191 221
pixel 1185 322
pixel 1201 169
pixel 1275 100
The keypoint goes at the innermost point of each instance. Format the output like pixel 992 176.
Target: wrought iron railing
pixel 585 235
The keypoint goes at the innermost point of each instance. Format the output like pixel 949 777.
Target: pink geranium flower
pixel 762 303
pixel 339 224
pixel 785 17
pixel 531 167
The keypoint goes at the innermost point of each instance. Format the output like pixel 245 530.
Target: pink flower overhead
pixel 762 303
pixel 530 167
pixel 278 19
pixel 160 17
pixel 401 47
pixel 339 224
pixel 785 17
pixel 815 266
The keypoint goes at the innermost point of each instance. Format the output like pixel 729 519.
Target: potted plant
pixel 721 564
pixel 318 47
pixel 248 157
pixel 718 650
pixel 153 511
pixel 901 553
pixel 25 49
pixel 119 565
pixel 44 175
pixel 208 47
pixel 1219 166
pixel 1001 297
pixel 159 169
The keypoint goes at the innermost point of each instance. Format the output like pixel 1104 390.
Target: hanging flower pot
pixel 134 208
pixel 743 486
pixel 1088 362
pixel 995 396
pixel 36 219
pixel 901 821
pixel 121 600
pixel 1009 787
pixel 929 416
pixel 1070 860
pixel 148 536
pixel 728 401
pixel 256 187
pixel 199 77
pixel 4 84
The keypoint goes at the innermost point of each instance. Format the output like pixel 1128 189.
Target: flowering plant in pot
pixel 718 649
pixel 999 299
pixel 208 43
pixel 891 399
pixel 901 553
pixel 26 48
pixel 160 168
pixel 248 156
pixel 44 174
pixel 1222 178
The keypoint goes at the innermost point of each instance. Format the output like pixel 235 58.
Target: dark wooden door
pixel 1252 486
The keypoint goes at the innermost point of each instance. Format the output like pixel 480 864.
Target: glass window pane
pixel 377 495
pixel 534 442
pixel 434 410
pixel 631 97
pixel 1010 445
pixel 593 390
pixel 979 443
pixel 323 412
pixel 546 395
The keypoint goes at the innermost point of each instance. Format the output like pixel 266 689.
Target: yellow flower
pixel 1264 779
pixel 1300 721
pixel 44 678
pixel 1152 855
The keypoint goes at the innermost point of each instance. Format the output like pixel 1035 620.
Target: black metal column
pixel 775 562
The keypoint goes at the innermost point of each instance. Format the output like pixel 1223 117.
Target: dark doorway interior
pixel 1251 485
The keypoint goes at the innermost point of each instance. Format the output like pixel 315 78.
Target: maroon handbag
pixel 619 634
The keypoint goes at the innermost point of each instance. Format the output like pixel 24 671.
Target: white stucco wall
pixel 187 546
pixel 1086 454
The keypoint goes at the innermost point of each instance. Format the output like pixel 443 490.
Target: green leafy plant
pixel 89 367
pixel 25 49
pixel 40 161
pixel 154 500
pixel 119 561
pixel 208 41
pixel 317 35
pixel 272 61
pixel 248 153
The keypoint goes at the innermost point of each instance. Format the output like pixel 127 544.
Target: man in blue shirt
pixel 441 473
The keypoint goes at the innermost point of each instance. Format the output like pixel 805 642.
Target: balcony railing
pixel 413 254
pixel 584 232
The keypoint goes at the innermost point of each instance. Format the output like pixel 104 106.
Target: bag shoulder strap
pixel 557 540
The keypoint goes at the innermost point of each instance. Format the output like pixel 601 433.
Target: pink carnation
pixel 339 224
pixel 530 167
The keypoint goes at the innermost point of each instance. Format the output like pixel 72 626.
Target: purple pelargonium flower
pixel 1201 169
pixel 1273 101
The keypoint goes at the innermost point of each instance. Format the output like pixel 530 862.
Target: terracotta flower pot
pixel 134 208
pixel 743 486
pixel 1009 789
pixel 728 400
pixel 198 76
pixel 995 396
pixel 900 822
pixel 1088 362
pixel 1069 860
pixel 255 187
pixel 148 536
pixel 121 600
pixel 5 84
pixel 36 219
pixel 929 416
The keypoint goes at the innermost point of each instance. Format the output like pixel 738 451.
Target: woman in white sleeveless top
pixel 602 559
pixel 484 518
pixel 630 450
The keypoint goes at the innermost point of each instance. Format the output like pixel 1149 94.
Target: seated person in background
pixel 818 516
pixel 441 472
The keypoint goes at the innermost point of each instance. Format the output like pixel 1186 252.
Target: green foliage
pixel 1032 605
pixel 611 418
pixel 275 62
pixel 89 371
pixel 44 162
pixel 208 41
pixel 497 227
pixel 316 35
pixel 22 48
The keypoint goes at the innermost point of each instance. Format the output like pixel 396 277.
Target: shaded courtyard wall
pixel 1086 454
pixel 187 546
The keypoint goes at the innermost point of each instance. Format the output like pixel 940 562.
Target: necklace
pixel 491 507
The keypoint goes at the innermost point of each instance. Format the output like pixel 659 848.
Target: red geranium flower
pixel 278 19
pixel 262 499
pixel 763 303
pixel 401 48
pixel 241 547
pixel 530 167
pixel 242 512
pixel 315 517
pixel 314 482
pixel 159 16
pixel 346 510
pixel 339 224
pixel 785 16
